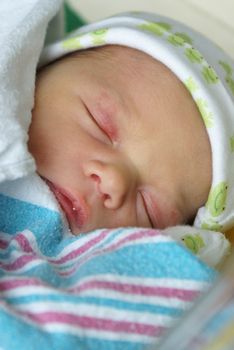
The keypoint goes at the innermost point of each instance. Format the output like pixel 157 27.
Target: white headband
pixel 206 71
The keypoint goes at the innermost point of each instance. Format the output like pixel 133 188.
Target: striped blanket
pixel 110 289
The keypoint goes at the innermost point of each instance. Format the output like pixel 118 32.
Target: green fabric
pixel 72 19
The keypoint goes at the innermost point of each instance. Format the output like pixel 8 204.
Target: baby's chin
pixel 78 230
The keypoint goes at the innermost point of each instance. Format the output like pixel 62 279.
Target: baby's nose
pixel 113 182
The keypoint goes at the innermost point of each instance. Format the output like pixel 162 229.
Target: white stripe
pixel 135 281
pixel 141 299
pixel 146 281
pixel 30 290
pixel 171 302
pixel 31 239
pixel 101 294
pixel 98 334
pixel 96 311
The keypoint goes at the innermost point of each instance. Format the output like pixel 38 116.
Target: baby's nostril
pixel 106 196
pixel 97 180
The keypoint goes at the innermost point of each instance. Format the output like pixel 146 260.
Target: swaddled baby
pixel 133 126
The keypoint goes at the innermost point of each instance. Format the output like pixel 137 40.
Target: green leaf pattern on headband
pixel 191 85
pixel 193 55
pixel 156 28
pixel 229 71
pixel 164 25
pixel 230 83
pixel 180 40
pixel 185 37
pixel 72 43
pixel 217 199
pixel 176 40
pixel 226 67
pixel 99 36
pixel 205 113
pixel 209 75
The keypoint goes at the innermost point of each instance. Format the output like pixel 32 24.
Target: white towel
pixel 22 32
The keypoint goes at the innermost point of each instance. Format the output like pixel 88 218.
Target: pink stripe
pixel 18 263
pixel 24 243
pixel 21 240
pixel 3 244
pixel 91 243
pixel 96 323
pixel 127 288
pixel 131 237
pixel 73 254
pixel 7 285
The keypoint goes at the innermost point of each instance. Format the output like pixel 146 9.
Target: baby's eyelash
pixel 146 210
pixel 98 124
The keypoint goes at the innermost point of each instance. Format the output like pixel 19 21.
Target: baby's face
pixel 119 140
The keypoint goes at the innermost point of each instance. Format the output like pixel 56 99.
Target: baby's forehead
pixel 142 74
pixel 130 61
pixel 117 53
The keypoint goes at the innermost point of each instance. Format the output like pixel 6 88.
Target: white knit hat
pixel 206 71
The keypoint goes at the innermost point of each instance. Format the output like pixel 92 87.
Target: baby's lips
pixel 74 208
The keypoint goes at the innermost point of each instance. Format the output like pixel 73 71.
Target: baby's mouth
pixel 73 208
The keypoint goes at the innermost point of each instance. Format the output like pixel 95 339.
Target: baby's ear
pixel 210 246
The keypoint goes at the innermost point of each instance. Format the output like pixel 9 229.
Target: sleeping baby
pixel 128 130
pixel 132 119
pixel 119 140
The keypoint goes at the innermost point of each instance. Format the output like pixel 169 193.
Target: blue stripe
pixel 152 260
pixel 46 224
pixel 99 302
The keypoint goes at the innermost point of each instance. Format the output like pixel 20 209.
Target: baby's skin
pixel 119 140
